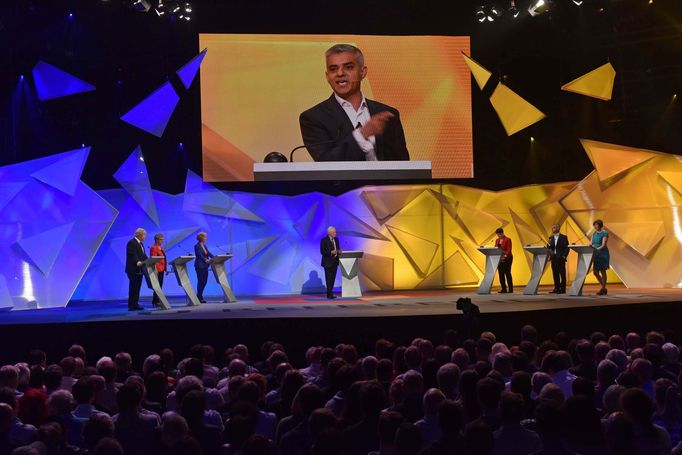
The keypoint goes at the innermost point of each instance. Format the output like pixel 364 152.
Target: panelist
pixel 157 250
pixel 329 249
pixel 135 257
pixel 504 268
pixel 558 251
pixel 201 264
pixel 347 126
pixel 600 263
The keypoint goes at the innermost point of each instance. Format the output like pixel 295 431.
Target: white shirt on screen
pixel 556 239
pixel 360 116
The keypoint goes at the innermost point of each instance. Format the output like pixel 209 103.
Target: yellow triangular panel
pixel 527 234
pixel 597 83
pixel 479 72
pixel 515 113
pixel 419 252
pixel 641 236
pixel 610 160
pixel 674 179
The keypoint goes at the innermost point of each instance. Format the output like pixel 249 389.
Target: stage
pixel 106 327
pixel 370 305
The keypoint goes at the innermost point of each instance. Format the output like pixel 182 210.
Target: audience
pixel 597 395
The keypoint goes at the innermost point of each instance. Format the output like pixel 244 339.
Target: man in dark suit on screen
pixel 347 126
pixel 558 251
pixel 135 255
pixel 329 249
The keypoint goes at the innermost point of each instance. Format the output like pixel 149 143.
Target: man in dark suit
pixel 329 249
pixel 135 255
pixel 558 248
pixel 347 126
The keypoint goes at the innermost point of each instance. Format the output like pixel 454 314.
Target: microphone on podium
pixel 339 128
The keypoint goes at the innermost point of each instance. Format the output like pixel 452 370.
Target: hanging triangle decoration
pixel 133 177
pixel 598 83
pixel 514 112
pixel 481 74
pixel 153 113
pixel 189 70
pixel 51 82
pixel 64 174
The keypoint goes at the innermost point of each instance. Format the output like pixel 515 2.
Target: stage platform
pixel 299 321
pixel 373 304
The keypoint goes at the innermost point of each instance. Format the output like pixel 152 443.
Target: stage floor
pixel 373 304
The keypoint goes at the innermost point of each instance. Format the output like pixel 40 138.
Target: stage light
pixel 513 10
pixel 70 15
pixel 674 96
pixel 480 14
pixel 21 77
pixel 538 7
pixel 141 6
pixel 532 139
pixel 577 2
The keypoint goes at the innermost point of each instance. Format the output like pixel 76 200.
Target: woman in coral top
pixel 504 269
pixel 157 250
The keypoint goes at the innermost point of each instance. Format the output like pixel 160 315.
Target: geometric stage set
pixel 62 241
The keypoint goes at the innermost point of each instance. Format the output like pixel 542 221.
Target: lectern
pixel 540 257
pixel 350 282
pixel 492 260
pixel 153 280
pixel 180 269
pixel 585 256
pixel 218 266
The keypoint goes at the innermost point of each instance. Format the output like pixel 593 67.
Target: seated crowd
pixel 603 395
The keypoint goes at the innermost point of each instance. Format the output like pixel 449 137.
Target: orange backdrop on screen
pixel 253 88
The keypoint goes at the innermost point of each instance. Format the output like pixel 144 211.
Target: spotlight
pixel 577 2
pixel 480 14
pixel 141 6
pixel 21 77
pixel 70 15
pixel 493 13
pixel 538 7
pixel 532 139
pixel 513 10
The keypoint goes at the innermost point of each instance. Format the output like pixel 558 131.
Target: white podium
pixel 180 270
pixel 540 258
pixel 585 256
pixel 218 266
pixel 492 260
pixel 350 282
pixel 342 170
pixel 153 280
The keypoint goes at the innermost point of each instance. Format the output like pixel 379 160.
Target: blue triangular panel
pixel 205 198
pixel 153 113
pixel 133 177
pixel 5 296
pixel 51 82
pixel 302 225
pixel 189 70
pixel 65 173
pixel 174 237
pixel 8 191
pixel 44 247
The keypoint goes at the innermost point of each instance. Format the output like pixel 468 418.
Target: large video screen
pixel 254 89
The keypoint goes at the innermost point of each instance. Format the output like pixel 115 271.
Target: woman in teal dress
pixel 601 255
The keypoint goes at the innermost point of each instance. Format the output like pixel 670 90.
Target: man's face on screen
pixel 344 73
